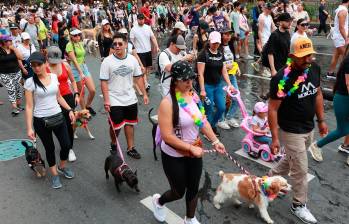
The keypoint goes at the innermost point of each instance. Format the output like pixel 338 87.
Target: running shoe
pixel 237 56
pixel 71 156
pixel 92 111
pixel 233 123
pixel 343 148
pixel 68 173
pixel 331 75
pixel 159 211
pixel 191 221
pixel 223 124
pixel 248 57
pixel 15 112
pixel 266 73
pixel 56 182
pixel 303 213
pixel 133 153
pixel 316 152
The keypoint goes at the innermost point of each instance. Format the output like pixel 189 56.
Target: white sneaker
pixel 233 123
pixel 248 57
pixel 223 125
pixel 237 56
pixel 343 148
pixel 191 221
pixel 266 73
pixel 159 211
pixel 316 152
pixel 303 213
pixel 71 156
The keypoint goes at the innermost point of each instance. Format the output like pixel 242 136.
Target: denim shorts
pixel 76 72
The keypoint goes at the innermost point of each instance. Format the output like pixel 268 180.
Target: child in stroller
pixel 259 123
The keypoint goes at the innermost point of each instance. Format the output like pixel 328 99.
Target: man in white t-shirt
pixel 143 37
pixel 117 73
pixel 172 54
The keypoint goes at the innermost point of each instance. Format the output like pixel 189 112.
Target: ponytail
pixel 37 82
pixel 175 107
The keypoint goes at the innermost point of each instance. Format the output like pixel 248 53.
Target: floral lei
pixel 184 105
pixel 281 86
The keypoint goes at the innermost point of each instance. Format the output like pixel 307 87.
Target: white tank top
pixel 337 34
pixel 266 27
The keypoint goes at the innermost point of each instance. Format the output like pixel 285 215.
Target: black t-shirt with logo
pixel 213 66
pixel 341 87
pixel 296 112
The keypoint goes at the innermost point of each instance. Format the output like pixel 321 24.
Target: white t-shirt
pixel 45 102
pixel 132 18
pixel 141 38
pixel 261 123
pixel 26 52
pixel 164 60
pixel 17 40
pixel 297 35
pixel 266 27
pixel 119 73
pixel 22 23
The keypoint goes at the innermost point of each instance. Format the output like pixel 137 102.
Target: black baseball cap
pixel 204 25
pixel 37 57
pixel 140 16
pixel 285 17
pixel 13 26
pixel 182 70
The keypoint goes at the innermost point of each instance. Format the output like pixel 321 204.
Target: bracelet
pixel 216 142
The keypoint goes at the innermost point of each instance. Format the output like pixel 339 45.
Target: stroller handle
pixel 236 96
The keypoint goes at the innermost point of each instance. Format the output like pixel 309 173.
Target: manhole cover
pixel 12 149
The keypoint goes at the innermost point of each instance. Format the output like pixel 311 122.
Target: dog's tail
pixel 149 116
pixel 221 173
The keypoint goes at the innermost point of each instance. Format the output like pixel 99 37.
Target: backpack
pixel 26 25
pixel 158 72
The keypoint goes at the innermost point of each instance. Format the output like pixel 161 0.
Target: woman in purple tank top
pixel 181 117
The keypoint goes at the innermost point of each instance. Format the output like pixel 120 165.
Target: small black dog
pixel 153 132
pixel 35 162
pixel 120 171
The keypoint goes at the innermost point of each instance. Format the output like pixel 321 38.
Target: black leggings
pixel 45 134
pixel 183 175
pixel 69 98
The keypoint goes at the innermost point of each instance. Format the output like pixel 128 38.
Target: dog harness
pixel 119 171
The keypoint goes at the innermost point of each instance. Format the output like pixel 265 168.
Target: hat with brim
pixel 204 26
pixel 260 107
pixel 182 70
pixel 25 36
pixel 181 26
pixel 123 31
pixel 226 30
pixel 180 42
pixel 13 26
pixel 54 55
pixel 75 32
pixel 302 47
pixel 37 57
pixel 105 22
pixel 286 17
pixel 6 38
pixel 215 37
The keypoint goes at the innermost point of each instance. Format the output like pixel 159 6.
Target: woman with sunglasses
pixel 301 30
pixel 181 118
pixel 43 112
pixel 10 72
pixel 77 53
pixel 212 71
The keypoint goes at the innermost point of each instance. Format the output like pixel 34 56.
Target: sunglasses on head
pixel 304 24
pixel 119 44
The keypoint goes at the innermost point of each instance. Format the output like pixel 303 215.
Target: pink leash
pixel 117 141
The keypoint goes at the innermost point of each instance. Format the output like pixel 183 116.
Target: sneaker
pixel 216 131
pixel 248 57
pixel 71 156
pixel 191 221
pixel 266 73
pixel 233 123
pixel 68 173
pixel 223 125
pixel 343 148
pixel 237 56
pixel 159 211
pixel 303 213
pixel 331 75
pixel 15 112
pixel 256 66
pixel 56 182
pixel 133 153
pixel 91 110
pixel 316 152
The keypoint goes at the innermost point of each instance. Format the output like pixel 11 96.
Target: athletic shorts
pixel 146 59
pixel 75 72
pixel 339 42
pixel 124 115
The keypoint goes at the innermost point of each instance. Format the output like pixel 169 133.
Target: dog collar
pixel 264 188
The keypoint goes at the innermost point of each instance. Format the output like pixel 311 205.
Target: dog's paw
pixel 92 137
pixel 269 221
pixel 217 206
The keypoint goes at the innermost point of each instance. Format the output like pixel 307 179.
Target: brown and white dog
pixel 251 189
pixel 91 33
pixel 91 46
pixel 82 118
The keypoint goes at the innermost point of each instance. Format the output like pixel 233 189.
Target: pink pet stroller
pixel 252 147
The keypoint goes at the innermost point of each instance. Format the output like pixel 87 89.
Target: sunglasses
pixel 304 24
pixel 76 35
pixel 119 44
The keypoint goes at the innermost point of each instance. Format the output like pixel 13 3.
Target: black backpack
pixel 161 74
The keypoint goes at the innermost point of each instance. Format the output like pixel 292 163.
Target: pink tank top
pixel 188 130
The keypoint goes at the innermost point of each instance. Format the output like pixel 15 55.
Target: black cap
pixel 140 16
pixel 268 5
pixel 204 25
pixel 37 57
pixel 285 17
pixel 182 70
pixel 13 26
pixel 226 30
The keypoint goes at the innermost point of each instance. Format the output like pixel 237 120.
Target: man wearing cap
pixel 292 108
pixel 142 37
pixel 167 57
pixel 16 37
pixel 275 53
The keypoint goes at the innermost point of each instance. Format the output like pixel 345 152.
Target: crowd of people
pixel 42 51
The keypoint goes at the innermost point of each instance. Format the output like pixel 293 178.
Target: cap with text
pixel 302 47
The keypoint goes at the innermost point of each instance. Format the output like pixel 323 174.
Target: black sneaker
pixel 331 75
pixel 343 148
pixel 216 132
pixel 15 112
pixel 92 111
pixel 133 153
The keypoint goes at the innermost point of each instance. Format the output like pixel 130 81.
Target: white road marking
pixel 270 165
pixel 326 54
pixel 171 217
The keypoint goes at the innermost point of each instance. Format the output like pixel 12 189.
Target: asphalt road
pixel 90 198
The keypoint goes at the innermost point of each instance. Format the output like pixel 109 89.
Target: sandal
pixel 133 153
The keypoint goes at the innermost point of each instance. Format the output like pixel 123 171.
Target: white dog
pixel 91 46
pixel 251 189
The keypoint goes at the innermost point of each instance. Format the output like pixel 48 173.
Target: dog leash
pixel 117 141
pixel 232 159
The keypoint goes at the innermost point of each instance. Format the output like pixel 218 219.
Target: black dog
pixel 120 171
pixel 35 162
pixel 153 132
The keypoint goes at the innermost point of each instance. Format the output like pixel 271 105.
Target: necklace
pixel 184 105
pixel 281 86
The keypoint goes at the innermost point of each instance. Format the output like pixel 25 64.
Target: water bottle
pixel 207 101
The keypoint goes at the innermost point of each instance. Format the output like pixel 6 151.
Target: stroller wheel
pixel 246 147
pixel 265 156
